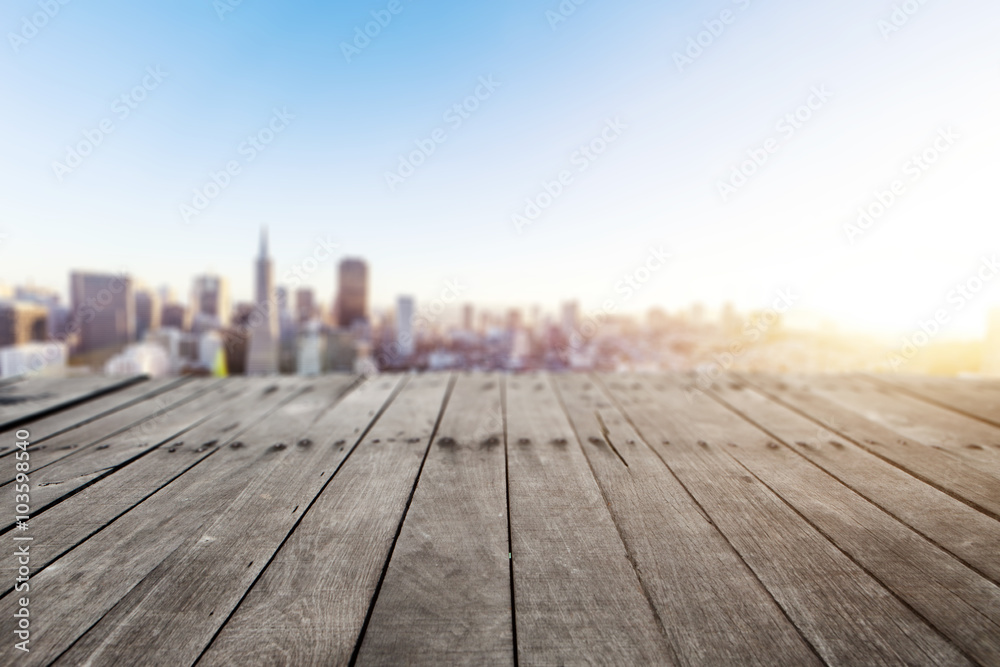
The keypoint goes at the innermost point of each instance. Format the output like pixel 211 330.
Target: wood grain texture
pixel 577 597
pixel 84 413
pixel 784 520
pixel 67 524
pixel 964 437
pixel 978 398
pixel 951 597
pixel 200 583
pixel 97 431
pixel 977 487
pixel 30 399
pixel 848 616
pixel 967 533
pixel 447 588
pixel 310 604
pixel 717 615
pixel 81 466
pixel 83 585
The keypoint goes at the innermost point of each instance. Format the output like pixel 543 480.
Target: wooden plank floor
pixel 501 519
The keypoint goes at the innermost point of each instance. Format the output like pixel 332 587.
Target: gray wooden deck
pixel 503 519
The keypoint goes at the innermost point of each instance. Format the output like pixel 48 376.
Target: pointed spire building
pixel 262 355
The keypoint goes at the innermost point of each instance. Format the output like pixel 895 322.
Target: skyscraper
pixel 147 312
pixel 352 293
pixel 103 312
pixel 286 321
pixel 210 303
pixel 174 316
pixel 262 358
pixel 288 330
pixel 404 326
pixel 305 305
pixel 166 294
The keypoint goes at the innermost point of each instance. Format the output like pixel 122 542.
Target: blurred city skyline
pixel 694 92
pixel 118 325
pixel 321 282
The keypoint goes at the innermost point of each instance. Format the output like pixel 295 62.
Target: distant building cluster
pixel 117 326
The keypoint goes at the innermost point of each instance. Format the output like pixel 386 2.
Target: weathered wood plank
pixel 965 437
pixel 59 471
pixel 70 443
pixel 978 398
pixel 967 533
pixel 309 605
pixel 22 402
pixel 918 421
pixel 848 616
pixel 84 413
pixel 717 615
pixel 64 526
pixel 968 482
pixel 84 584
pixel 951 597
pixel 200 583
pixel 446 593
pixel 577 597
pixel 742 553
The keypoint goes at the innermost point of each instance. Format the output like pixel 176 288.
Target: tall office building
pixel 288 330
pixel 305 305
pixel 236 337
pixel 147 312
pixel 264 274
pixel 210 303
pixel 352 293
pixel 404 326
pixel 174 316
pixel 103 308
pixel 262 357
pixel 286 319
pixel 281 300
pixel 167 294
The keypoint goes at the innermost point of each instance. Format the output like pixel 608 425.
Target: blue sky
pixel 657 184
